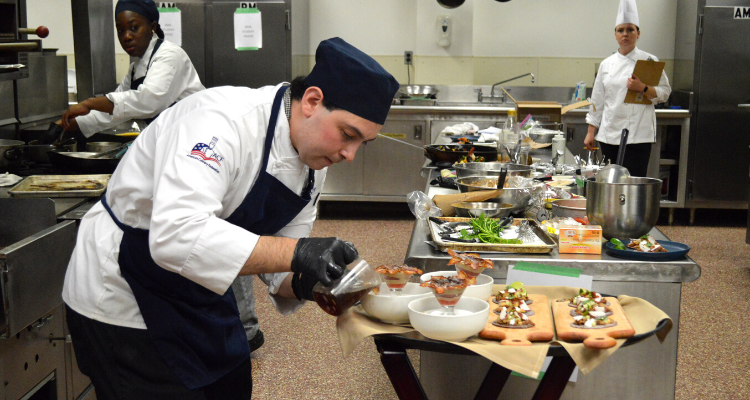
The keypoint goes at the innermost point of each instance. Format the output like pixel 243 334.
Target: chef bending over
pixel 224 183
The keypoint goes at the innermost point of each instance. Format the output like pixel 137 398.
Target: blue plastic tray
pixel 470 137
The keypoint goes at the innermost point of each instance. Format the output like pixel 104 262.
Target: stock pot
pixel 624 210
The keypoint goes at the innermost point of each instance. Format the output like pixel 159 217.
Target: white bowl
pixel 481 290
pixel 391 308
pixel 470 319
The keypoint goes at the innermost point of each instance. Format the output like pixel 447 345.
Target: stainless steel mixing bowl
pixel 475 209
pixel 518 197
pixel 624 210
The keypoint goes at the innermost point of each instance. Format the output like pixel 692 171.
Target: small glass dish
pixel 358 279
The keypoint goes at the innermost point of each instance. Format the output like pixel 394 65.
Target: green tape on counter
pixel 547 269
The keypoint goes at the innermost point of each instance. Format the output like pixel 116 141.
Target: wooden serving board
pixel 542 332
pixel 594 338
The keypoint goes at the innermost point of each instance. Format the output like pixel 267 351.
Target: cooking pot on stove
pixel 5 145
pixel 624 210
pixel 38 152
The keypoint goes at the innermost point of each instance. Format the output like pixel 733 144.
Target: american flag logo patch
pixel 206 153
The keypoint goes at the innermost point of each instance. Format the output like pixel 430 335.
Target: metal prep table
pixel 644 371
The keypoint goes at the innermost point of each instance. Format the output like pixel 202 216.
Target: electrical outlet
pixel 408 56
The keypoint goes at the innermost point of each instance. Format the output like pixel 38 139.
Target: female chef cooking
pixel 222 184
pixel 161 75
pixel 609 113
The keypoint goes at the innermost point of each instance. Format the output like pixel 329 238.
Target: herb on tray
pixel 487 230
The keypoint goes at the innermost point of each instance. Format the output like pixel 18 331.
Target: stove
pixel 24 168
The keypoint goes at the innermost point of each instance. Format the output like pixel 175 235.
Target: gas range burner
pixel 28 168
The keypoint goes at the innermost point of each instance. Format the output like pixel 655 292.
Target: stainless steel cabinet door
pixel 268 65
pixel 720 142
pixel 194 35
pixel 346 177
pixel 392 168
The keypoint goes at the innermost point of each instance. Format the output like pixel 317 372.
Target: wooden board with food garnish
pixel 541 331
pixel 596 332
pixel 61 186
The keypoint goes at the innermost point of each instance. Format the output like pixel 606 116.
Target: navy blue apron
pixel 198 332
pixel 135 83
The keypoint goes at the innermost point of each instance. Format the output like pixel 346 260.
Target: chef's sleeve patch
pixel 205 154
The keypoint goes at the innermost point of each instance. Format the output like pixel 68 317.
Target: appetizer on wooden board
pixel 499 327
pixel 597 331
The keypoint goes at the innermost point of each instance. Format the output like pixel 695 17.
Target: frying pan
pixel 453 152
pixel 80 162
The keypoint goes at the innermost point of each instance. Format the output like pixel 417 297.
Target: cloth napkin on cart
pixel 353 327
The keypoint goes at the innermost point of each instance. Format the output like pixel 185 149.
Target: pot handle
pixel 621 149
pixel 13 154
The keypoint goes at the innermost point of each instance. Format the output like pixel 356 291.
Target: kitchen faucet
pixel 480 97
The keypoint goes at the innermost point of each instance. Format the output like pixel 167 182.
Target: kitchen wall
pixel 560 41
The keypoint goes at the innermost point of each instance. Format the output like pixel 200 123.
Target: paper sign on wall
pixel 248 33
pixel 170 20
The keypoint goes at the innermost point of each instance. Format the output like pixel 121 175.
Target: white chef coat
pixel 171 77
pixel 612 115
pixel 183 198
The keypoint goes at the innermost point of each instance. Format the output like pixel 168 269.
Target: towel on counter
pixel 466 128
pixel 491 134
pixel 8 179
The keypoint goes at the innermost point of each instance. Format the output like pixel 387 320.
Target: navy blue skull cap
pixel 147 8
pixel 352 80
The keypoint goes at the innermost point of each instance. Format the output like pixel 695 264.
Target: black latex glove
pixel 51 134
pixel 323 259
pixel 302 286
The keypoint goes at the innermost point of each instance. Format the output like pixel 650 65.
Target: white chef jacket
pixel 612 115
pixel 183 198
pixel 171 77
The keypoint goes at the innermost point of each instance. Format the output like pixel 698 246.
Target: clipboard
pixel 649 72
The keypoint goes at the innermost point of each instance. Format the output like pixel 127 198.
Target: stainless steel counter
pixel 36 241
pixel 603 267
pixel 644 371
pixel 502 109
pixel 62 204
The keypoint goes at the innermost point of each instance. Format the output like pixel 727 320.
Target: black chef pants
pixel 123 363
pixel 636 156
